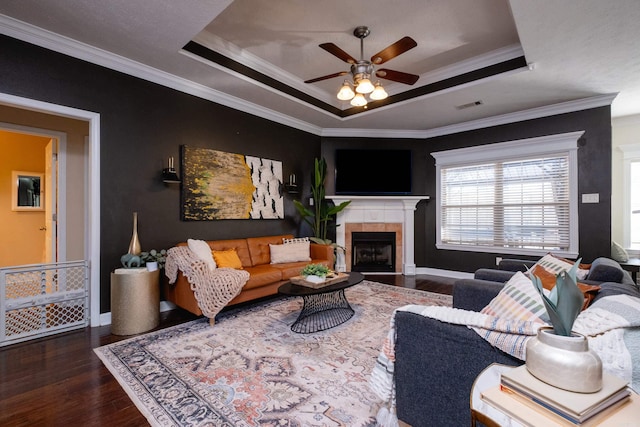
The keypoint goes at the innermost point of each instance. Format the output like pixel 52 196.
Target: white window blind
pixel 511 204
pixel 513 197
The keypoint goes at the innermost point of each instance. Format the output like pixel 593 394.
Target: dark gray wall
pixel 141 125
pixel 594 176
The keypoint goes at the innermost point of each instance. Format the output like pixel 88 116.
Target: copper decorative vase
pixel 134 245
pixel 565 362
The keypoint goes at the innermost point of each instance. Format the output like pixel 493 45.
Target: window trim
pixel 565 143
pixel 630 153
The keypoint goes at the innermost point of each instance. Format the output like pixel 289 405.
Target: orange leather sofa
pixel 265 278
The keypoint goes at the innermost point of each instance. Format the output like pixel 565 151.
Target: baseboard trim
pixel 105 318
pixel 445 273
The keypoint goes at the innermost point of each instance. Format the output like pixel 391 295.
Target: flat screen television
pixel 373 172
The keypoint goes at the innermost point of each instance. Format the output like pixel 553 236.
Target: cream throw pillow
pixel 618 253
pixel 202 250
pixel 290 252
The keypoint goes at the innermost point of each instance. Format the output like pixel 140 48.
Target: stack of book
pixel 525 398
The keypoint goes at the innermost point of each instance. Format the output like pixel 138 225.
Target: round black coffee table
pixel 322 308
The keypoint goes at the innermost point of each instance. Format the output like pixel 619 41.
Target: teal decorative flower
pixel 564 302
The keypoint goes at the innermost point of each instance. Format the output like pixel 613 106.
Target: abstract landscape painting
pixel 221 185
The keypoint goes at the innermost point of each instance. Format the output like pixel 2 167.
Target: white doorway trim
pixel 93 226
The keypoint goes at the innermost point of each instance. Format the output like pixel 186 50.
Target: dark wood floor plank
pixel 60 381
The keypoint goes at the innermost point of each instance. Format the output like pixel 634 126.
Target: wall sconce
pixel 291 186
pixel 169 175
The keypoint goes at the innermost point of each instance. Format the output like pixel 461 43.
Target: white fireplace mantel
pixel 380 209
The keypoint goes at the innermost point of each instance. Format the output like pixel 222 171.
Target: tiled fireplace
pixel 387 214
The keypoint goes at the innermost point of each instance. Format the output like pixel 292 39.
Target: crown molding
pixel 518 116
pixel 67 46
pixel 70 47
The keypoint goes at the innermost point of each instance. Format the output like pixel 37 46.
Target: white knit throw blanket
pixel 213 289
pixel 611 324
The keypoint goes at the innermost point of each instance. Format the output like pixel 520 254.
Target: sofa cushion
pixel 518 300
pixel 202 250
pixel 240 245
pixel 261 275
pixel 289 252
pixel 611 288
pixel 259 247
pixel 227 259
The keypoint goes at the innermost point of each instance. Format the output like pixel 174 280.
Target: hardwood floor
pixel 59 381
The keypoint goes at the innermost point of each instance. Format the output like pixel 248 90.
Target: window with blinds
pixel 520 201
pixel 510 204
pixel 634 203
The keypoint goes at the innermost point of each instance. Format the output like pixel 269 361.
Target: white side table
pixel 135 301
pixel 480 409
pixel 626 416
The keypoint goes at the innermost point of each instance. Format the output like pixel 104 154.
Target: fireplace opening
pixel 373 251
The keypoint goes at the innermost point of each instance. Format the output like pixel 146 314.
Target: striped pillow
pixel 295 240
pixel 518 300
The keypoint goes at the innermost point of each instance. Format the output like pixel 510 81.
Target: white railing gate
pixel 43 299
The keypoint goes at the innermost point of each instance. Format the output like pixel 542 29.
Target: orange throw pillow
pixel 227 259
pixel 554 266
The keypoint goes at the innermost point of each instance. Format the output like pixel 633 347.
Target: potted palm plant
pixel 323 211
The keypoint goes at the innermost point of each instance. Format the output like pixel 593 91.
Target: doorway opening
pixel 27 112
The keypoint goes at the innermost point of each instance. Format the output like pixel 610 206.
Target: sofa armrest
pixel 605 270
pixel 473 294
pixel 493 275
pixel 325 252
pixel 436 365
pixel 508 264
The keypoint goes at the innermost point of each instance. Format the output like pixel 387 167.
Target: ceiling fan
pixel 362 70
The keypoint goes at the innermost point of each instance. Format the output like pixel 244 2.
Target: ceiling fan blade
pixel 330 76
pixel 390 52
pixel 397 76
pixel 336 51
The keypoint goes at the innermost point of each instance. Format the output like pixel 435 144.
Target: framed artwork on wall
pixel 26 191
pixel 221 185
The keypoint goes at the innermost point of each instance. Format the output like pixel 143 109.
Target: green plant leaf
pixel 315 270
pixel 323 211
pixel 564 302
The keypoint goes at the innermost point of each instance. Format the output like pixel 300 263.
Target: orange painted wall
pixel 23 241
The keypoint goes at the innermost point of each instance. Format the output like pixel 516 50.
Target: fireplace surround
pixel 378 213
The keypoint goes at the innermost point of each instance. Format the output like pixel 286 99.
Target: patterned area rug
pixel 251 370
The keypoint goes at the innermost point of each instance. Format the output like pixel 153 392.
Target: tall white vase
pixel 564 362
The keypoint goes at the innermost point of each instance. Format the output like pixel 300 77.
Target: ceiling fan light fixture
pixel 359 100
pixel 378 93
pixel 346 93
pixel 364 86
